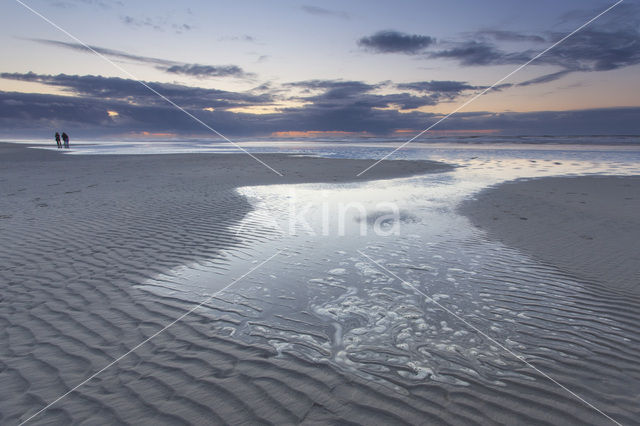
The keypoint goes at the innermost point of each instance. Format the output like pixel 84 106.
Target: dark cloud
pixel 610 43
pixel 592 49
pixel 35 108
pixel 597 49
pixel 115 88
pixel 206 70
pixel 322 92
pixel 396 42
pixel 173 67
pixel 106 52
pixel 403 101
pixel 437 86
pixel 29 115
pixel 331 105
pixel 334 88
pixel 356 94
pixel 439 90
pixel 35 115
pixel 545 78
pixel 472 53
pixel 320 11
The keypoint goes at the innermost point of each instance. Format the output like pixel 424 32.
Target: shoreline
pixel 586 226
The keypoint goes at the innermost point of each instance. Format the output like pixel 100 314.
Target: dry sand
pixel 78 232
pixel 587 226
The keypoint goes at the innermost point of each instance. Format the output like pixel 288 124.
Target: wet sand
pixel 586 226
pixel 82 235
pixel 79 232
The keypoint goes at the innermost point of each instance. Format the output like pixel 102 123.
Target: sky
pixel 291 69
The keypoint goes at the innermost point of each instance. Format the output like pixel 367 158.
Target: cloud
pixel 610 43
pixel 41 109
pixel 127 90
pixel 396 42
pixel 322 94
pixel 158 24
pixel 106 52
pixel 505 35
pixel 206 70
pixel 173 67
pixel 592 49
pixel 104 4
pixel 328 105
pixel 439 90
pixel 35 115
pixel 245 37
pixel 28 113
pixel 334 88
pixel 545 78
pixel 470 53
pixel 356 94
pixel 597 49
pixel 438 86
pixel 320 11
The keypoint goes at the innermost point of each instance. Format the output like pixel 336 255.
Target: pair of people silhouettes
pixel 65 140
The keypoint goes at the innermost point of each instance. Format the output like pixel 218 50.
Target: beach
pixel 78 232
pixel 318 335
pixel 587 226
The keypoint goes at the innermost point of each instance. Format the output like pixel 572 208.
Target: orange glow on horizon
pixel 146 134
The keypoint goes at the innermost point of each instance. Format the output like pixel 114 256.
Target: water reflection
pixel 324 302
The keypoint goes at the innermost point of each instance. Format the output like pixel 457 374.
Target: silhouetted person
pixel 65 138
pixel 58 140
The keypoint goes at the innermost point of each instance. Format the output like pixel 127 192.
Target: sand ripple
pixel 315 337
